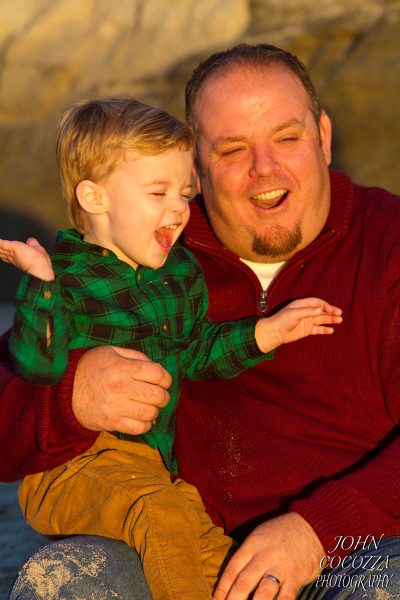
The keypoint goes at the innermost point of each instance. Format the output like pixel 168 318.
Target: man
pixel 300 454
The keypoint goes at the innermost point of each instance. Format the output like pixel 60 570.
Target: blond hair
pixel 94 136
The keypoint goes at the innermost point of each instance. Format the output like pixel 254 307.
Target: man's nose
pixel 264 162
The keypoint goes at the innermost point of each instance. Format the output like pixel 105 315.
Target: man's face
pixel 263 162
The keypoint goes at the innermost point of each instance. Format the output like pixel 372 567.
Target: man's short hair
pixel 259 55
pixel 94 136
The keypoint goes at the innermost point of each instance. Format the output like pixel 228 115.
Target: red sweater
pixel 311 431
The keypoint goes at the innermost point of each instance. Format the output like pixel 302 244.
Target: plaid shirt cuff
pixel 37 294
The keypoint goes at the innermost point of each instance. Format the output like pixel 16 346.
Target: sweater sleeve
pixel 41 332
pixel 360 504
pixel 38 429
pixel 222 350
pixel 366 499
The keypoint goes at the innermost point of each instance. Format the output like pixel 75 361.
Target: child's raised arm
pixel 300 318
pixel 30 257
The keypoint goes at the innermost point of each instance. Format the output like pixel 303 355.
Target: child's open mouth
pixel 165 236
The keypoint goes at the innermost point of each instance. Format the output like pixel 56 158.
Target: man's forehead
pixel 245 72
pixel 243 79
pixel 272 91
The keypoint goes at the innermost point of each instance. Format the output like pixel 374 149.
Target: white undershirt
pixel 264 271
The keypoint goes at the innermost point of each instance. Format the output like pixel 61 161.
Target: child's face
pixel 148 206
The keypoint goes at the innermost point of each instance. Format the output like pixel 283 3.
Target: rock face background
pixel 54 53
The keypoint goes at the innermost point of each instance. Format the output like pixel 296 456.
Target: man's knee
pixel 82 566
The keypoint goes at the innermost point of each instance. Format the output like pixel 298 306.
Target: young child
pixel 119 278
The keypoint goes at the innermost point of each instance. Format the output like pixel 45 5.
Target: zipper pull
pixel 262 305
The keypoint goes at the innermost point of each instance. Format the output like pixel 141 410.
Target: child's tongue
pixel 164 237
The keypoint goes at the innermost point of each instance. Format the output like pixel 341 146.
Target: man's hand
pixel 118 389
pixel 286 547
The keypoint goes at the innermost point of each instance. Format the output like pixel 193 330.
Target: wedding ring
pixel 273 577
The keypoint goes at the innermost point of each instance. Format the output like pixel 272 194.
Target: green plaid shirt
pixel 98 299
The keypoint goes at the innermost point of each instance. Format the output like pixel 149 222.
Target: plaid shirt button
pixel 164 327
pixel 105 252
pixel 47 294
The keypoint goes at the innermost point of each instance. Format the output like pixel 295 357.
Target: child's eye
pixel 159 194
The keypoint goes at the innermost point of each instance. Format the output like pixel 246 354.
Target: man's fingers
pixel 132 415
pixel 139 382
pixel 237 584
pixel 118 390
pixel 143 369
pixel 151 372
pixel 236 580
pixel 267 588
pixel 134 427
pixel 224 584
pixel 130 353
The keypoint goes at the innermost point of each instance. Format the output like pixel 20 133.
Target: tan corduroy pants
pixel 121 489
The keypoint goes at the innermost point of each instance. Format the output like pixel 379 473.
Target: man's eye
pixel 289 138
pixel 159 194
pixel 230 151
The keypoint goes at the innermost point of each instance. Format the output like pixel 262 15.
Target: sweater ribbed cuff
pixel 64 398
pixel 336 510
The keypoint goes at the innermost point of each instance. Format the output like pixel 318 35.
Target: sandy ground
pixel 17 540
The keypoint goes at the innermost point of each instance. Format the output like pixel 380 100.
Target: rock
pixel 54 53
pixel 59 52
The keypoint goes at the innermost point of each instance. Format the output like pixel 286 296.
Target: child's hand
pixel 30 257
pixel 308 316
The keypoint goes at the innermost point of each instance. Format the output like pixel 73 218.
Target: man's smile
pixel 269 199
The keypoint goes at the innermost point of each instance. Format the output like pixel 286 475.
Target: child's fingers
pixel 5 244
pixel 316 303
pixel 305 312
pixel 324 319
pixel 5 256
pixel 33 242
pixel 321 330
pixel 6 250
pixel 329 308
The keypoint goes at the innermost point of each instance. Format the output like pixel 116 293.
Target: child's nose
pixel 179 204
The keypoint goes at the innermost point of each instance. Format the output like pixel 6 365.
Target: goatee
pixel 280 242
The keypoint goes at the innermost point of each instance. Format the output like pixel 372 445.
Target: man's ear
pixel 196 176
pixel 325 133
pixel 91 197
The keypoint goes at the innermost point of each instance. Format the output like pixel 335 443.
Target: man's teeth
pixel 269 195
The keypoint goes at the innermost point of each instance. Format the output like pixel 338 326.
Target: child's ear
pixel 91 197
